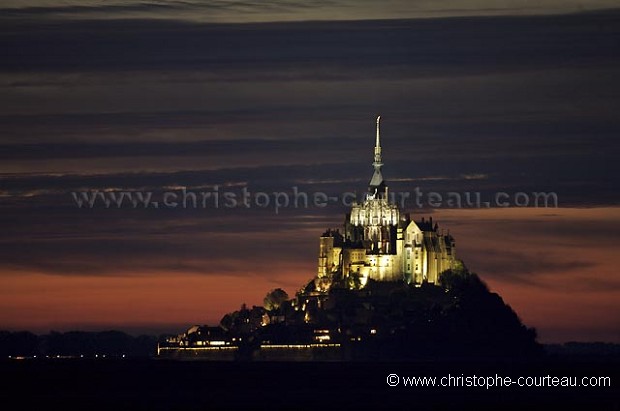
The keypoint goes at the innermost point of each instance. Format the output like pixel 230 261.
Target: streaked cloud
pixel 291 10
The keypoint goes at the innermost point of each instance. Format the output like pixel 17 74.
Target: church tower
pixel 381 245
pixel 374 222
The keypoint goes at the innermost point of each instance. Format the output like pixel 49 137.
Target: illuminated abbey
pixel 387 287
pixel 380 243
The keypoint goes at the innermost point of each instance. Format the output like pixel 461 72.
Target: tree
pixel 227 322
pixel 274 299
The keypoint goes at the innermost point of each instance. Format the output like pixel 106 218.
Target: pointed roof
pixel 378 163
pixel 377 177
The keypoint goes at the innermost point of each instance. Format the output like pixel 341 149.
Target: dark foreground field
pixel 130 384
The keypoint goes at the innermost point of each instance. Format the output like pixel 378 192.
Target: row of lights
pixel 19 357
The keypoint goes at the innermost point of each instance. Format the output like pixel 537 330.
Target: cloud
pixel 288 10
pixel 210 9
pixel 526 267
pixel 127 244
pixel 311 50
pixel 531 107
pixel 569 250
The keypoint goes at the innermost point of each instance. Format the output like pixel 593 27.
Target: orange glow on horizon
pixel 564 303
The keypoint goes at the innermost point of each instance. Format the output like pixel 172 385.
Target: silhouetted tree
pixel 274 299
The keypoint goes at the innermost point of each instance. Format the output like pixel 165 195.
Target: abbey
pixel 378 242
pixel 388 287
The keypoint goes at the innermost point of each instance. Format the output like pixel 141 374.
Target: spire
pixel 378 162
pixel 377 179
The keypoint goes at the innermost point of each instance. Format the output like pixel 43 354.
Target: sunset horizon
pixel 225 292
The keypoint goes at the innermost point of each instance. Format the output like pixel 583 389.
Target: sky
pixel 475 96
